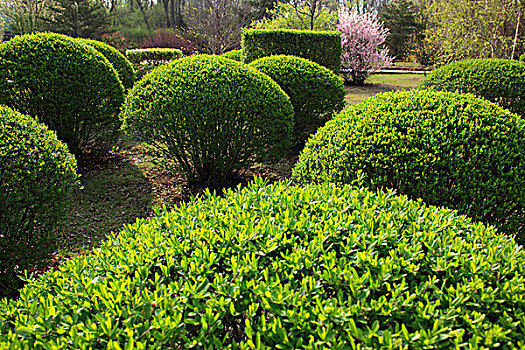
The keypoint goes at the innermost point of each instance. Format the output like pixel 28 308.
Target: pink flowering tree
pixel 362 36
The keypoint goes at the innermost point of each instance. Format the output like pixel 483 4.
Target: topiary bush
pixel 146 60
pixel 314 267
pixel 449 149
pixel 497 80
pixel 37 177
pixel 69 86
pixel 235 55
pixel 211 115
pixel 118 61
pixel 322 47
pixel 316 93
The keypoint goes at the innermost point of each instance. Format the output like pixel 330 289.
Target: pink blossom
pixel 362 36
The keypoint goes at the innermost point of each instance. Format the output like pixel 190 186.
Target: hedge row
pixel 449 149
pixel 321 47
pixel 285 267
pixel 145 60
pixel 235 55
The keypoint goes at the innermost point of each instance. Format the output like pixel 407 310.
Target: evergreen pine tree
pixel 80 18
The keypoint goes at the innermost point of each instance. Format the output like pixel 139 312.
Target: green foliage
pixel 464 29
pixel 452 150
pixel 145 60
pixel 319 267
pixel 37 177
pixel 68 86
pixel 235 55
pixel 79 18
pixel 323 48
pixel 211 115
pixel 316 92
pixel 522 58
pixel 118 61
pixel 401 18
pixel 284 16
pixel 500 81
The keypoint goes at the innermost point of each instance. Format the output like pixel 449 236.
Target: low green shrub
pixel 211 115
pixel 235 55
pixel 497 80
pixel 282 266
pixel 68 86
pixel 322 47
pixel 118 60
pixel 316 92
pixel 37 177
pixel 449 149
pixel 145 60
pixel 522 58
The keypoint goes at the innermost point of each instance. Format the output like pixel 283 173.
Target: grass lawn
pixel 378 83
pixel 125 185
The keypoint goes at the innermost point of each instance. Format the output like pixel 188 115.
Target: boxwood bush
pixel 449 149
pixel 69 86
pixel 285 267
pixel 316 92
pixel 235 55
pixel 37 177
pixel 322 47
pixel 522 58
pixel 211 115
pixel 117 60
pixel 145 60
pixel 497 80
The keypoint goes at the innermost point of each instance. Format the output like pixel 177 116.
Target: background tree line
pixel 429 31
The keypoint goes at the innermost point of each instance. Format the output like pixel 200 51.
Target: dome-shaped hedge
pixel 449 149
pixel 316 92
pixel 37 176
pixel 319 267
pixel 211 115
pixel 118 60
pixel 69 86
pixel 235 55
pixel 497 80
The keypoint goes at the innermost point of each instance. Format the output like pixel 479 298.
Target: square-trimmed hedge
pixel 322 47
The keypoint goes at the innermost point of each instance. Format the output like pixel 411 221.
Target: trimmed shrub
pixel 497 80
pixel 118 61
pixel 235 55
pixel 322 47
pixel 522 58
pixel 211 115
pixel 146 60
pixel 449 149
pixel 69 86
pixel 316 92
pixel 37 177
pixel 319 267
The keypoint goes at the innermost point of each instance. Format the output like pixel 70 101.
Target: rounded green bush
pixel 68 86
pixel 522 58
pixel 118 61
pixel 211 115
pixel 235 55
pixel 288 267
pixel 146 60
pixel 449 149
pixel 316 92
pixel 37 177
pixel 497 80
